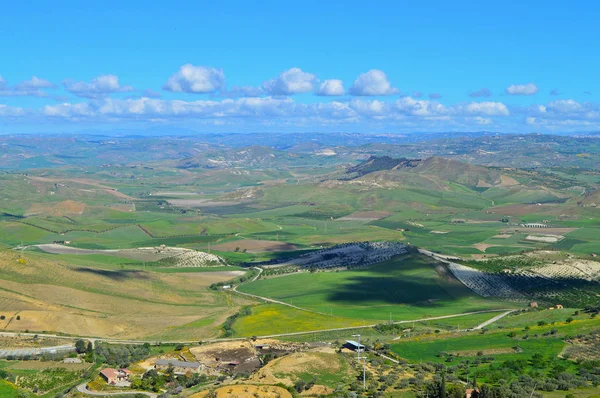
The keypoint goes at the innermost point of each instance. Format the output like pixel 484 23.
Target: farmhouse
pixel 115 376
pixel 181 367
pixel 533 304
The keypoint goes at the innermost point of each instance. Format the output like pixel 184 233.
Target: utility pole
pixel 364 371
pixel 358 358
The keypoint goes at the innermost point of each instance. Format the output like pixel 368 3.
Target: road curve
pixel 82 388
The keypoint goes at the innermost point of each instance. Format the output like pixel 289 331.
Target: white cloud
pixel 242 91
pixel 565 106
pixel 196 79
pixel 25 89
pixel 522 89
pixel 486 108
pixel 291 81
pixel 482 120
pixel 371 83
pixel 331 87
pixel 369 108
pixel 34 83
pixel 6 110
pixel 411 106
pixel 99 87
pixel 482 92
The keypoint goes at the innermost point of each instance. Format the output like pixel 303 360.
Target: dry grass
pixel 247 391
pixel 59 297
pixel 65 208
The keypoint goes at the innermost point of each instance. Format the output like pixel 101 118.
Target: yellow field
pixel 54 296
pixel 271 319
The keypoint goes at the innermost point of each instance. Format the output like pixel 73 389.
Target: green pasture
pixel 407 287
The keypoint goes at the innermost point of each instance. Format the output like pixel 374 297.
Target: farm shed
pixel 181 367
pixel 353 345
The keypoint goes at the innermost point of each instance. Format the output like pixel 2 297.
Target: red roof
pixel 110 373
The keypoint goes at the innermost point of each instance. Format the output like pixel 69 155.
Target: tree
pixel 300 385
pixel 179 347
pixel 443 392
pixel 80 346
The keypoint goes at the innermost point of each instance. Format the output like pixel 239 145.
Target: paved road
pixel 82 388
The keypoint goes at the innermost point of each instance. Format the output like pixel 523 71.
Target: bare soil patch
pixel 506 181
pixel 221 355
pixel 543 239
pixel 202 203
pixel 545 231
pixel 64 208
pixel 488 351
pixel 256 246
pixel 483 246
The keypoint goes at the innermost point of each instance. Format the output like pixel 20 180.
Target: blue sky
pixel 385 66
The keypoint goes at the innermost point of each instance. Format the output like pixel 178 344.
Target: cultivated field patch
pixel 255 246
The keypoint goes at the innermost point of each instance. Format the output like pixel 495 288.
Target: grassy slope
pixel 407 287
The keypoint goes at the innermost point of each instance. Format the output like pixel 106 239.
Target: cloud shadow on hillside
pixel 119 275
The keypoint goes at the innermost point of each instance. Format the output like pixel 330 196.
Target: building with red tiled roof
pixel 114 376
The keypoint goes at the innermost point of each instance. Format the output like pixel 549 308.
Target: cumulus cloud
pixel 555 92
pixel 414 107
pixel 196 79
pixel 482 120
pixel 372 83
pixel 417 94
pixel 482 92
pixel 99 87
pixel 6 111
pixel 435 95
pixel 242 91
pixel 331 87
pixel 522 89
pixel 35 83
pixel 565 106
pixel 486 108
pixel 291 81
pixel 3 83
pixel 29 88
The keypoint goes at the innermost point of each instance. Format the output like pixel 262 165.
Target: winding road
pixel 82 388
